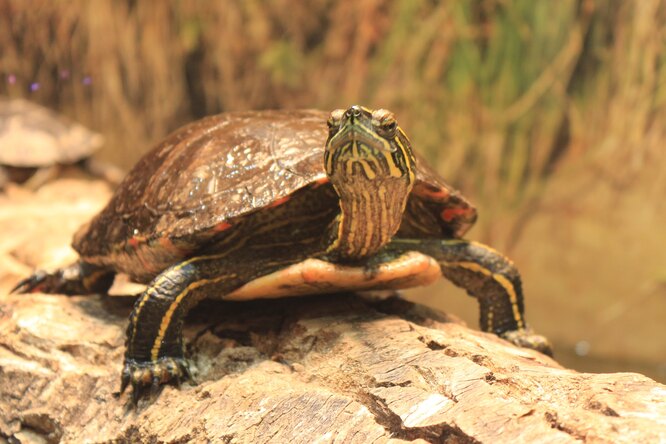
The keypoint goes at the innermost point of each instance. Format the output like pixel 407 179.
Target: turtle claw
pixel 526 338
pixel 135 395
pixel 147 377
pixel 77 278
pixel 35 283
pixel 124 380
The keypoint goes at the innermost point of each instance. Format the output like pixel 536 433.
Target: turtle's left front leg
pixel 488 276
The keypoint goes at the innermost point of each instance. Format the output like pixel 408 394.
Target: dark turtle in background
pixel 273 203
pixel 35 142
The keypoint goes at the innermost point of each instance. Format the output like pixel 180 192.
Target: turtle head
pixel 367 144
pixel 370 163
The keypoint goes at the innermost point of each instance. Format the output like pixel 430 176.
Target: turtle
pixel 36 141
pixel 261 204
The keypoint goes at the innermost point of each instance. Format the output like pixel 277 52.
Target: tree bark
pixel 337 368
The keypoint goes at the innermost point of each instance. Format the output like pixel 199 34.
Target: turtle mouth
pixel 356 153
pixel 355 142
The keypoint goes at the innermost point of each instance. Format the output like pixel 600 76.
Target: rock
pixel 337 368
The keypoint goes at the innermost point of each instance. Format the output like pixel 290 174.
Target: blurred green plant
pixel 548 114
pixel 496 93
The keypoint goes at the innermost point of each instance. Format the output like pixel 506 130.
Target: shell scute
pixel 209 172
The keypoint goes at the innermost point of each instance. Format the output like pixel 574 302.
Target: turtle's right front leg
pixel 154 346
pixel 78 278
pixel 155 352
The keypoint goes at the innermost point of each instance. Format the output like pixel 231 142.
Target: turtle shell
pixel 33 136
pixel 208 174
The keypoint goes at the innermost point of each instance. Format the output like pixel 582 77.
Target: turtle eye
pixel 334 121
pixel 385 122
pixel 390 126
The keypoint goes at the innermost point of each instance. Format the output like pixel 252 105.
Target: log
pixel 335 368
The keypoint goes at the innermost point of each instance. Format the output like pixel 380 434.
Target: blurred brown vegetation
pixel 550 115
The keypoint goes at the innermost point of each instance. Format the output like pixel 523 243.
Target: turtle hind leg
pixel 77 278
pixel 491 278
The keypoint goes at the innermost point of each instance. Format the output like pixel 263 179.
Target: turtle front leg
pixel 155 353
pixel 488 276
pixel 77 278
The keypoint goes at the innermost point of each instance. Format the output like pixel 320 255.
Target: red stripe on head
pixel 448 214
pixel 433 192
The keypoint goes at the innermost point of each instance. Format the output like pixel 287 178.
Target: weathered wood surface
pixel 327 369
pixel 322 369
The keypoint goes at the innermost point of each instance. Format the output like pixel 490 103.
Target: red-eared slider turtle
pixel 262 204
pixel 35 141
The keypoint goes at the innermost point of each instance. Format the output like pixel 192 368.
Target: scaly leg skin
pixel 77 278
pixel 488 276
pixel 155 352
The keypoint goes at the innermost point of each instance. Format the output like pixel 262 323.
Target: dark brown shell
pixel 225 166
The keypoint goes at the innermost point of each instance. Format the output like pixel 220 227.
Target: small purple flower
pixel 87 80
pixel 34 86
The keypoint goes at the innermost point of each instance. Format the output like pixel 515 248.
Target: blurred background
pixel 550 116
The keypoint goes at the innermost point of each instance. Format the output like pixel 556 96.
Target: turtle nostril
pixel 354 111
